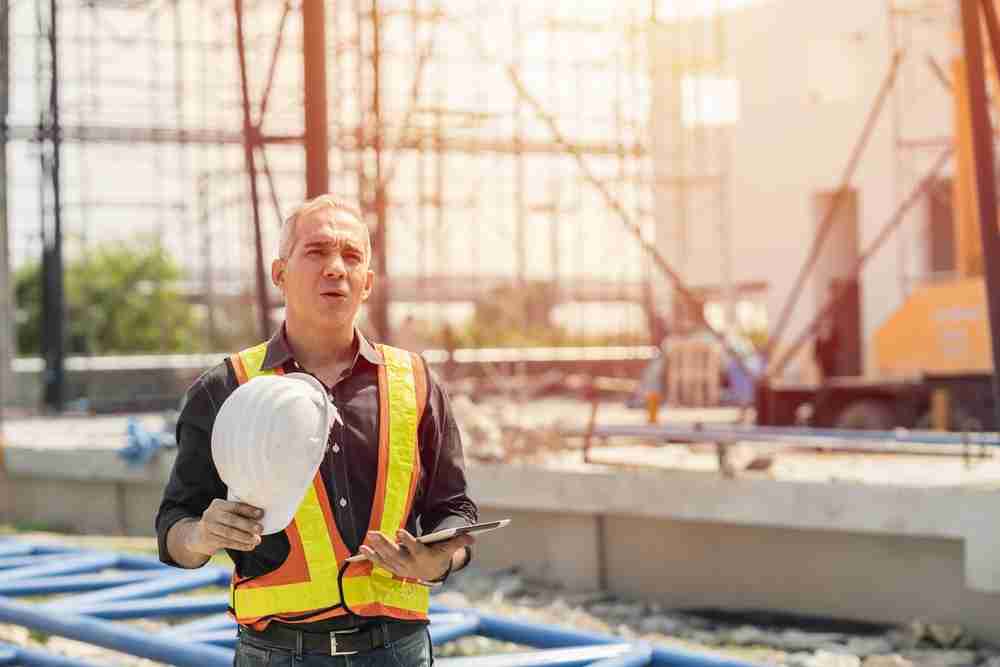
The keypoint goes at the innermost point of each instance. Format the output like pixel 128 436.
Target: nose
pixel 335 266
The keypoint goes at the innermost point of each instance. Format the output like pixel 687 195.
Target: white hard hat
pixel 268 441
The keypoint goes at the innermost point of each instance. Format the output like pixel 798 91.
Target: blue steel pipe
pixel 189 606
pixel 639 656
pixel 140 562
pixel 580 656
pixel 224 638
pixel 115 637
pixel 545 636
pixel 71 584
pixel 28 657
pixel 163 585
pixel 9 548
pixel 11 562
pixel 125 561
pixel 49 548
pixel 76 565
pixel 207 624
pixel 444 632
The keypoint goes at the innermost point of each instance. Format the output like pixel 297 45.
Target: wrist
pixel 192 542
pixel 181 544
pixel 440 579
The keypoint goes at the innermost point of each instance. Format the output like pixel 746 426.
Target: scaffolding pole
pixel 6 286
pixel 982 138
pixel 314 82
pixel 380 302
pixel 251 138
pixel 53 309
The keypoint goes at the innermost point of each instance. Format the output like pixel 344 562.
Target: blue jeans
pixel 411 651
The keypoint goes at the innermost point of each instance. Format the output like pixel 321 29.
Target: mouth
pixel 333 295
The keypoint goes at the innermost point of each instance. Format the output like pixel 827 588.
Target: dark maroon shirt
pixel 349 469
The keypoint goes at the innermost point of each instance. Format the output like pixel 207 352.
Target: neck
pixel 317 348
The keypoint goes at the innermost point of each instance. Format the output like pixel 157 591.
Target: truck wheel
pixel 869 415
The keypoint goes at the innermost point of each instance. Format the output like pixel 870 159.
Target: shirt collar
pixel 279 351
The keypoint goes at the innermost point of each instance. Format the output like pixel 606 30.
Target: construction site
pixel 712 287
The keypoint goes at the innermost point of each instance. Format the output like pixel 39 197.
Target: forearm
pixel 179 541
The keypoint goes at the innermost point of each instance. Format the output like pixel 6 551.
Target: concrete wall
pixel 887 554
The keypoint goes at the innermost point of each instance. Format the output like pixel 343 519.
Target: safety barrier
pixel 98 588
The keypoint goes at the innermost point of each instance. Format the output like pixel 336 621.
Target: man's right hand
pixel 226 525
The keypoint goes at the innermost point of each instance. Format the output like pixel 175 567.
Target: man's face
pixel 326 277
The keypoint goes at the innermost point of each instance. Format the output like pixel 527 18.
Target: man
pixel 377 609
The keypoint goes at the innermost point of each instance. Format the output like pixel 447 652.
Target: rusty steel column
pixel 314 80
pixel 986 189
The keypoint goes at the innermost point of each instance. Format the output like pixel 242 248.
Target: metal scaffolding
pixel 508 141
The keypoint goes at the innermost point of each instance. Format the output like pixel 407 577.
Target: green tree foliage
pixel 120 299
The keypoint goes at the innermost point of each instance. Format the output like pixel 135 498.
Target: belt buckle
pixel 333 643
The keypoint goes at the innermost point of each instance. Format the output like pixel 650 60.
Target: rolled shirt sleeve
pixel 446 503
pixel 193 482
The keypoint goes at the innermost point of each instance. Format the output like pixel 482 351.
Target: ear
pixel 369 283
pixel 278 273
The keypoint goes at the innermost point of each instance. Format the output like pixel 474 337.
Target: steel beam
pixel 986 188
pixel 314 89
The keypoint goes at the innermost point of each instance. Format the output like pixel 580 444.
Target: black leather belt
pixel 337 642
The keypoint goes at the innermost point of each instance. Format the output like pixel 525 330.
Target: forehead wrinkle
pixel 331 238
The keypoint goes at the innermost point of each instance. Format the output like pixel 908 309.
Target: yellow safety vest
pixel 310 584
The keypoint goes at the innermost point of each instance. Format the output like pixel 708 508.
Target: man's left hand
pixel 411 559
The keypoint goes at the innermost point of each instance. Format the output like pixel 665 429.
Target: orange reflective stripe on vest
pixel 305 587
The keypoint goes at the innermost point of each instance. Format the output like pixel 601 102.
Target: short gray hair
pixel 287 239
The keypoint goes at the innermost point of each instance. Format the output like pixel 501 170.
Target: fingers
pixel 409 542
pixel 249 511
pixel 232 525
pixel 233 538
pixel 244 527
pixel 393 557
pixel 411 558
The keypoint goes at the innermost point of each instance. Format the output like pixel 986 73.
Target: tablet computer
pixel 448 533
